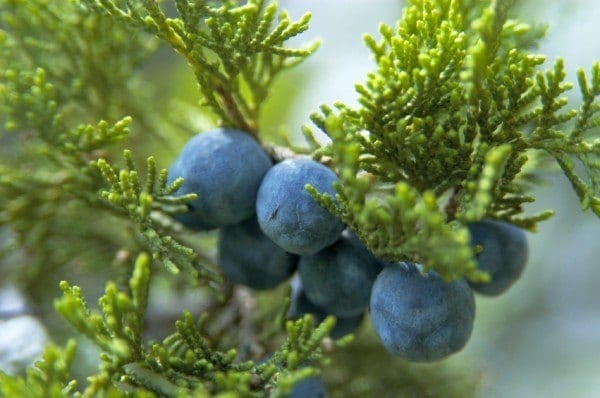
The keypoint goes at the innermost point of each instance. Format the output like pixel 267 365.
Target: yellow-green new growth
pixel 235 51
pixel 445 126
pixel 186 362
pixel 143 204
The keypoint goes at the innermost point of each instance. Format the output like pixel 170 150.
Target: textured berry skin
pixel 504 254
pixel 301 305
pixel 224 168
pixel 421 318
pixel 338 279
pixel 310 387
pixel 249 257
pixel 289 215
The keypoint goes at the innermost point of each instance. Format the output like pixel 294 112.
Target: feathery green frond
pixel 117 329
pixel 580 142
pixel 142 202
pixel 444 129
pixel 234 50
pixel 186 362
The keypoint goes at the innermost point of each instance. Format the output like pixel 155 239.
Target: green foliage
pixel 141 203
pixel 33 202
pixel 49 378
pixel 451 127
pixel 444 129
pixel 30 103
pixel 98 79
pixel 52 77
pixel 570 144
pixel 43 203
pixel 235 50
pixel 117 331
pixel 185 362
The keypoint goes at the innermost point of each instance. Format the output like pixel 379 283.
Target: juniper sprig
pixel 446 124
pixel 235 51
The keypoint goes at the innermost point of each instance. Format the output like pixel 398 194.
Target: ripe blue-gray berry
pixel 289 215
pixel 249 257
pixel 420 317
pixel 338 279
pixel 504 254
pixel 301 305
pixel 224 168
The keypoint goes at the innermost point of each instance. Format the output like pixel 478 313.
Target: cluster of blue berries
pixel 270 226
pixel 422 318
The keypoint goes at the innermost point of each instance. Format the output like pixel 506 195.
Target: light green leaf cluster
pixel 50 377
pixel 234 50
pixel 570 144
pixel 140 203
pixel 118 329
pixel 185 363
pixel 396 222
pixel 445 126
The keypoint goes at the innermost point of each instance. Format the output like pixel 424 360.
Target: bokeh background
pixel 541 338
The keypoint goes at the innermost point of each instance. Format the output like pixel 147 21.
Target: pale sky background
pixel 542 338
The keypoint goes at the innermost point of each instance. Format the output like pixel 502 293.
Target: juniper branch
pixel 235 51
pixel 449 110
pixel 141 202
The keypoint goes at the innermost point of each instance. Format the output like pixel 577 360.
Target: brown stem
pixel 231 108
pixel 279 153
pixel 452 205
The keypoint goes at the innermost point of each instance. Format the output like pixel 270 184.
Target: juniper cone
pixel 504 255
pixel 338 279
pixel 289 215
pixel 301 305
pixel 224 168
pixel 419 317
pixel 249 257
